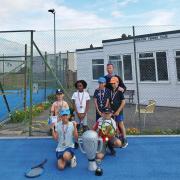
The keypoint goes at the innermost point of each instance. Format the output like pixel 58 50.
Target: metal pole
pixel 3 69
pixel 45 71
pixel 31 86
pixel 55 60
pixel 25 77
pixel 136 71
pixel 67 70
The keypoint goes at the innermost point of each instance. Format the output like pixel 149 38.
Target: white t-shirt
pixel 80 99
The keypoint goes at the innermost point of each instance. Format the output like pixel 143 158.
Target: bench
pixel 129 94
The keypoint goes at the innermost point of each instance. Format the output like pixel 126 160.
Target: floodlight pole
pixel 54 13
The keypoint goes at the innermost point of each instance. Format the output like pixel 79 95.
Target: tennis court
pixel 145 158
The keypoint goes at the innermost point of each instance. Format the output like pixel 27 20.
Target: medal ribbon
pixel 102 94
pixel 80 100
pixel 64 132
pixel 113 94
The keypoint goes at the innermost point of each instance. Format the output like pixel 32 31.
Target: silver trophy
pixel 90 144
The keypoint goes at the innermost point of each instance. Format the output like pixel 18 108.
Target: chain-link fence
pixel 147 58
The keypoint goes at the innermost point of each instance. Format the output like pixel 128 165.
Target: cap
pixel 114 80
pixel 59 91
pixel 64 112
pixel 107 110
pixel 101 80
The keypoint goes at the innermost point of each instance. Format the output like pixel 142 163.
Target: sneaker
pixel 124 143
pixel 73 162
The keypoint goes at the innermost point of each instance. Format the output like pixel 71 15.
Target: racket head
pixel 35 172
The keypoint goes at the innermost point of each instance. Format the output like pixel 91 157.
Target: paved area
pixel 164 118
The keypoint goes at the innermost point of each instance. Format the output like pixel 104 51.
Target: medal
pixel 101 97
pixel 113 94
pixel 64 134
pixel 81 100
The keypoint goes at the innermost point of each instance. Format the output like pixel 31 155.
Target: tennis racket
pixel 36 170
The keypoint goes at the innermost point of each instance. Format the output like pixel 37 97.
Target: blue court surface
pixel 145 158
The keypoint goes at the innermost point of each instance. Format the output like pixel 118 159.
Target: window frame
pixel 178 81
pixel 122 62
pixel 156 68
pixel 96 65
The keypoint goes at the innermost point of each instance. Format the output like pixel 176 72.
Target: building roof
pixel 86 49
pixel 131 37
pixel 142 36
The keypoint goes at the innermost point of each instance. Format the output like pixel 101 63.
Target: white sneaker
pixel 73 162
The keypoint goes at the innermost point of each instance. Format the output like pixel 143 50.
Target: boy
pixel 59 103
pixel 65 133
pixel 101 97
pixel 117 103
pixel 110 71
pixel 106 128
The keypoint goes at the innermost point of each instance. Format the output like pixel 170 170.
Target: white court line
pixel 129 136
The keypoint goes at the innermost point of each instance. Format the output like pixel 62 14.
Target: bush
pixel 133 131
pixel 21 115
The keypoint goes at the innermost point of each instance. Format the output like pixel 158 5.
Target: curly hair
pixel 84 83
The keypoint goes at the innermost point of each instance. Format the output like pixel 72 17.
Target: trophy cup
pixel 98 171
pixel 90 144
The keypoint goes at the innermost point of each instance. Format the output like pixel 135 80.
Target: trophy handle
pixel 100 145
pixel 80 142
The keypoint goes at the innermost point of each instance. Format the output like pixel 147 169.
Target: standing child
pixel 81 104
pixel 59 103
pixel 65 133
pixel 101 97
pixel 106 128
pixel 117 103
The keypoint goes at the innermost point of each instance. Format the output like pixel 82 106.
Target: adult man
pixel 110 69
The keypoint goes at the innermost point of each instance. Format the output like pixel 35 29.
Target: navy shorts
pixel 119 118
pixel 59 155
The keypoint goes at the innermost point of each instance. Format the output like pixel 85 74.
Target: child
pixel 59 103
pixel 81 104
pixel 65 133
pixel 117 104
pixel 106 127
pixel 101 97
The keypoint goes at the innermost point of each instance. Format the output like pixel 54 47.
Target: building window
pixel 178 65
pixel 127 67
pixel 153 66
pixel 117 63
pixel 122 66
pixel 97 68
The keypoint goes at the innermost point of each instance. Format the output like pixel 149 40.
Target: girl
pixel 81 104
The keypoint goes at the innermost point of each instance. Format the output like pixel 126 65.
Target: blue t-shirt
pixel 102 96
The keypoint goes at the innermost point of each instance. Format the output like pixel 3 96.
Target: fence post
pixel 25 77
pixel 136 72
pixel 67 70
pixel 31 86
pixel 45 71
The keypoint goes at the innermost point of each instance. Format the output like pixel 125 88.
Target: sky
pixel 74 14
pixel 80 23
